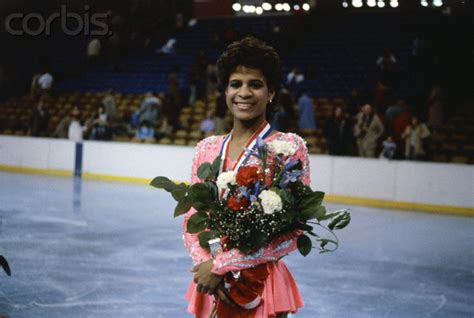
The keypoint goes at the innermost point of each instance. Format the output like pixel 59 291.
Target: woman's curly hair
pixel 253 53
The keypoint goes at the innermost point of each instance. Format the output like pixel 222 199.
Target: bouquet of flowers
pixel 246 209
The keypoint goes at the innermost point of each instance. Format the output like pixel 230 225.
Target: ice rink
pixel 101 249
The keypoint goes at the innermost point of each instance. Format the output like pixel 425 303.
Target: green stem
pixel 336 239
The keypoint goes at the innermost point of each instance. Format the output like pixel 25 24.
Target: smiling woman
pixel 249 74
pixel 247 94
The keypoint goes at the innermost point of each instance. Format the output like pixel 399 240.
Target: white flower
pixel 226 177
pixel 271 201
pixel 282 147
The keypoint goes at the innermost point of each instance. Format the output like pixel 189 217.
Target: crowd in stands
pixel 351 126
pixel 369 123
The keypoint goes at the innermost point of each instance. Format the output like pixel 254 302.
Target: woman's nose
pixel 244 91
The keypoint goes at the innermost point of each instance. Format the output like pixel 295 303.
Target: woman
pixel 249 73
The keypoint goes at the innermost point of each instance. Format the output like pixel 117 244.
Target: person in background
pixel 45 82
pixel 389 147
pixel 368 130
pixel 284 118
pixel 414 135
pixel 98 125
pixel 145 133
pixel 110 106
pixel 386 65
pixel 306 112
pixel 93 52
pixel 39 119
pixel 208 125
pixel 62 128
pixel 149 109
pixel 435 108
pixel 338 132
pixel 221 110
pixel 76 129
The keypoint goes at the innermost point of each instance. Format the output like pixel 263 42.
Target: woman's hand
pixel 206 281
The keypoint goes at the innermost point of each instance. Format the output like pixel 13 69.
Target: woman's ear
pixel 272 95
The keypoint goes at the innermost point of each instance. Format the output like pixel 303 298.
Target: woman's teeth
pixel 243 105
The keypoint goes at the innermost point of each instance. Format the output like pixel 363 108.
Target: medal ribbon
pixel 263 131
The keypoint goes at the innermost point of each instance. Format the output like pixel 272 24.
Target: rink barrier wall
pixel 420 186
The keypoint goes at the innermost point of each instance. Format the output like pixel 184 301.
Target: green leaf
pixel 5 266
pixel 166 184
pixel 183 206
pixel 331 215
pixel 287 197
pixel 340 221
pixel 198 222
pixel 178 194
pixel 312 199
pixel 204 238
pixel 216 164
pixel 204 171
pixel 200 192
pixel 304 244
pixel 313 212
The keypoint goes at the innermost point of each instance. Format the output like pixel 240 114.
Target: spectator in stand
pixel 386 64
pixel 62 128
pixel 393 111
pixel 45 82
pixel 294 80
pixel 211 79
pixel 382 96
pixel 76 129
pixel 389 148
pixel 367 130
pixel 110 106
pixel 174 85
pixel 193 84
pixel 284 119
pixel 145 133
pixel 221 109
pixel 164 129
pixel 149 110
pixel 306 112
pixel 171 112
pixel 338 132
pixel 39 119
pixel 207 124
pixel 93 52
pixel 414 136
pixel 401 121
pixel 435 108
pixel 98 125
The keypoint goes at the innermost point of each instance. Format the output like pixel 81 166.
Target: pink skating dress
pixel 280 293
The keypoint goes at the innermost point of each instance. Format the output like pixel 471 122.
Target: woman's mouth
pixel 243 105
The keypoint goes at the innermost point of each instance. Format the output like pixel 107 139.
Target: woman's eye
pixel 256 85
pixel 234 84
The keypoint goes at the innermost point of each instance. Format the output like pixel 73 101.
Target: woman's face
pixel 247 93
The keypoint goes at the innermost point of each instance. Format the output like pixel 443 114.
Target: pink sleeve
pixel 191 241
pixel 234 260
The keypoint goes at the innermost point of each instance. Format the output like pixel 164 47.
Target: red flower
pixel 235 203
pixel 247 175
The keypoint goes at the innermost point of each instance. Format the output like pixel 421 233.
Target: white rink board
pixel 417 182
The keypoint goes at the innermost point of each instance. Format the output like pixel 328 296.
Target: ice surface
pixel 99 249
